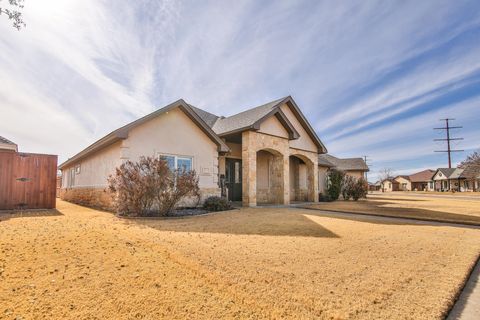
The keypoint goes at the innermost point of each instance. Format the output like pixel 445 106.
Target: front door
pixel 233 177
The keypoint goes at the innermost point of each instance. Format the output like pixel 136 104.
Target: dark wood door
pixel 233 179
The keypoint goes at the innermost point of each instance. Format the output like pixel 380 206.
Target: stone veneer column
pixel 249 170
pixel 286 177
pixel 314 188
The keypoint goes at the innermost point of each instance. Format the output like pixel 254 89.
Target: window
pixel 176 162
pixel 77 169
pixel 71 180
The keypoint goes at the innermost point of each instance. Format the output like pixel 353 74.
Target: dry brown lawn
pixel 80 263
pixel 420 207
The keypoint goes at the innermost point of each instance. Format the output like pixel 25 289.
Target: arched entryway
pixel 270 180
pixel 301 179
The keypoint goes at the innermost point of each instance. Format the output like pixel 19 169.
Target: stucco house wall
pixel 355 174
pixel 173 133
pixel 158 136
pixel 387 186
pixel 404 184
pixel 322 179
pixel 304 142
pixel 273 126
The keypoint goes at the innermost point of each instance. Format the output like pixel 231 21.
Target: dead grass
pixel 249 263
pixel 401 205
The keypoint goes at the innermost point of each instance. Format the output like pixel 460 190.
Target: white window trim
pixel 176 157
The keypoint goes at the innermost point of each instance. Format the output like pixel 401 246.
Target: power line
pixel 447 128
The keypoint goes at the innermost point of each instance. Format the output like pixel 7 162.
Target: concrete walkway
pixel 467 306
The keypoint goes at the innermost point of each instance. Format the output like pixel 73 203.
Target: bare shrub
pixel 149 187
pixel 347 187
pixel 354 188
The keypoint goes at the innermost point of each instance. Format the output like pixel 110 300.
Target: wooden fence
pixel 27 181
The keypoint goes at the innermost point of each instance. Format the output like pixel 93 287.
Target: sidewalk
pixel 467 306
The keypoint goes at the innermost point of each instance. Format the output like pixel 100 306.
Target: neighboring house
pixel 448 179
pixel 355 167
pixel 7 145
pixel 389 185
pixel 422 181
pixel 268 154
pixel 375 186
pixel 404 183
pixel 471 178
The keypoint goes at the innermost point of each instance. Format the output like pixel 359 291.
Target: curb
pixel 476 264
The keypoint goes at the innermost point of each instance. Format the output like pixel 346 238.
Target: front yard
pixel 250 263
pixel 458 208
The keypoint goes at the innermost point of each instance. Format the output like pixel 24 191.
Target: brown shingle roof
pixel 244 119
pixel 347 164
pixel 422 176
pixel 250 119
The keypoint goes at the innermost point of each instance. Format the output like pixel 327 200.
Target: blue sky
pixel 373 77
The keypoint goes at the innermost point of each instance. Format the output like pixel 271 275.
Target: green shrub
pixel 347 187
pixel 215 203
pixel 335 182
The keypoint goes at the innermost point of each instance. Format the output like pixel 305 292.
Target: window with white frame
pixel 178 162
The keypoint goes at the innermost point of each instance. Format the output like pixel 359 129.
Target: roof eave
pixel 122 133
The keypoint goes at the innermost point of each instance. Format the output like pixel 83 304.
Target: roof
pixel 5 141
pixel 422 176
pixel 347 164
pixel 6 144
pixel 213 125
pixel 404 177
pixel 450 173
pixel 322 161
pixel 122 133
pixel 244 119
pixel 471 171
pixel 251 119
pixel 207 117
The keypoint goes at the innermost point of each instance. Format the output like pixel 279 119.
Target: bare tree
pixel 385 173
pixel 472 159
pixel 14 13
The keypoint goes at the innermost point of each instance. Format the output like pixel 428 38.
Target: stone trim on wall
pixel 101 198
pixel 98 198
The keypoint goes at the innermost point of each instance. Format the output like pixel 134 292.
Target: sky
pixel 372 77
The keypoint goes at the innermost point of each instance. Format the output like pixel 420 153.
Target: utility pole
pixel 448 139
pixel 365 158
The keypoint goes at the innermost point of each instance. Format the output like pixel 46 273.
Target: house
pixel 471 177
pixel 404 183
pixel 7 145
pixel 389 185
pixel 267 154
pixel 422 181
pixel 354 167
pixel 375 186
pixel 448 179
